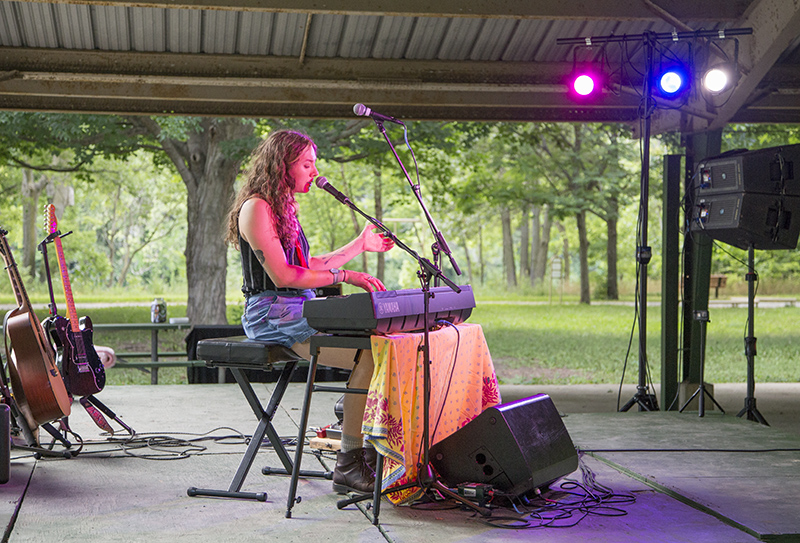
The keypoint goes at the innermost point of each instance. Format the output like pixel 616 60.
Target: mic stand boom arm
pixel 440 244
pixel 426 266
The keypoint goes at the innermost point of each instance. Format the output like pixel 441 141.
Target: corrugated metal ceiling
pixel 145 29
pixel 298 60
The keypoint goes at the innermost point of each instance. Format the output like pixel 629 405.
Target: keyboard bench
pixel 240 353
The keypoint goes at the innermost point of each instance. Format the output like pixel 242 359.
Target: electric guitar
pixel 36 383
pixel 81 367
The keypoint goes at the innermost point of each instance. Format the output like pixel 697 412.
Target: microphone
pixel 363 111
pixel 322 183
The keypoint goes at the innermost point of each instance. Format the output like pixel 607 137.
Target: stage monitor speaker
pixel 741 219
pixel 515 447
pixel 763 171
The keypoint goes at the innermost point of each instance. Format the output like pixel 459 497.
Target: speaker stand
pixel 645 400
pixel 749 408
pixel 702 317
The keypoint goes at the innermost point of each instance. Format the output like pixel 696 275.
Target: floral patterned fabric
pixel 463 384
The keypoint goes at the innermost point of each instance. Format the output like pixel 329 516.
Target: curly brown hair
pixel 268 179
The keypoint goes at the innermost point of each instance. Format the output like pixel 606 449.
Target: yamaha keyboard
pixel 388 312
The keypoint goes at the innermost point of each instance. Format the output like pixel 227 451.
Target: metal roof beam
pixel 241 66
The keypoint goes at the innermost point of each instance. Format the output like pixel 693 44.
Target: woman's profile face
pixel 304 170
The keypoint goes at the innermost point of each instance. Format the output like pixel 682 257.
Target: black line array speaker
pixel 766 221
pixel 764 171
pixel 515 447
pixel 746 198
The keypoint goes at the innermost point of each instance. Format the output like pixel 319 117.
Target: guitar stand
pixel 31 442
pixel 89 403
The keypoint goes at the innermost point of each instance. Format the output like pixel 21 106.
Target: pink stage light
pixel 584 85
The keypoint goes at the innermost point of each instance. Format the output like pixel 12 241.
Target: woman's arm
pixel 368 240
pixel 257 226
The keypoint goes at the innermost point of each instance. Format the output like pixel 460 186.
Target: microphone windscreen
pixel 360 110
pixel 321 182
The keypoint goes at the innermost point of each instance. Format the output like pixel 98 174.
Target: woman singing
pixel 279 275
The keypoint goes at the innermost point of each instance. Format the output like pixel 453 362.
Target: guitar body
pixel 81 367
pixel 37 384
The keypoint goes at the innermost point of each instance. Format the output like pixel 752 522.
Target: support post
pixel 697 260
pixel 670 293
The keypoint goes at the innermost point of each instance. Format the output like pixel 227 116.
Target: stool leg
pixel 264 417
pixel 301 435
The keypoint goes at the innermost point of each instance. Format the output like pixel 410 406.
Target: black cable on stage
pixel 563 508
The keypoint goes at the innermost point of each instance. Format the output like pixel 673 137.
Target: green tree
pixel 207 154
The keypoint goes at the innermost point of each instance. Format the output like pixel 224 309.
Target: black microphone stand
pixel 440 245
pixel 427 479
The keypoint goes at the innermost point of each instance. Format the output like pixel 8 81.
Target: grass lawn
pixel 549 344
pixel 563 344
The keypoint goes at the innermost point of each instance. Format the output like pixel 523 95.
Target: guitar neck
pixel 62 267
pixel 20 294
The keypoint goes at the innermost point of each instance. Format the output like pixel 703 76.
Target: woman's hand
pixel 363 280
pixel 374 241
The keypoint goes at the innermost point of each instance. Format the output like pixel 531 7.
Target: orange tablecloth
pixel 463 384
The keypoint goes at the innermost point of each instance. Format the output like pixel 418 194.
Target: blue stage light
pixel 672 81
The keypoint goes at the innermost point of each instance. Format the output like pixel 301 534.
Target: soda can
pixel 158 311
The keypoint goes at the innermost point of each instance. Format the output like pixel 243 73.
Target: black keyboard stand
pixel 358 343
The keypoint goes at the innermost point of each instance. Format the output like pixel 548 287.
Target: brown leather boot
pixel 352 473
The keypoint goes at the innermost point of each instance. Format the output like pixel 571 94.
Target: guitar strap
pixel 96 416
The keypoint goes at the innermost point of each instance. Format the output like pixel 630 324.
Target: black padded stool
pixel 237 354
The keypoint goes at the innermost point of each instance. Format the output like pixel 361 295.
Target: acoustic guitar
pixel 81 367
pixel 36 383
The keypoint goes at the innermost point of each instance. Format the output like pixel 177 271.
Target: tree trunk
pixel 612 284
pixel 583 244
pixel 31 191
pixel 543 249
pixel 480 253
pixel 463 240
pixel 208 173
pixel 536 232
pixel 564 250
pixel 524 244
pixel 109 233
pixel 508 248
pixel 353 218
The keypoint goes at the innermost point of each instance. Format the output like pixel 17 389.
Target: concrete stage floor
pixel 713 479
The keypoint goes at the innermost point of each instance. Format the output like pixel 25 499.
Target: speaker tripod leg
pixel 715 401
pixel 646 402
pixel 699 390
pixel 752 412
